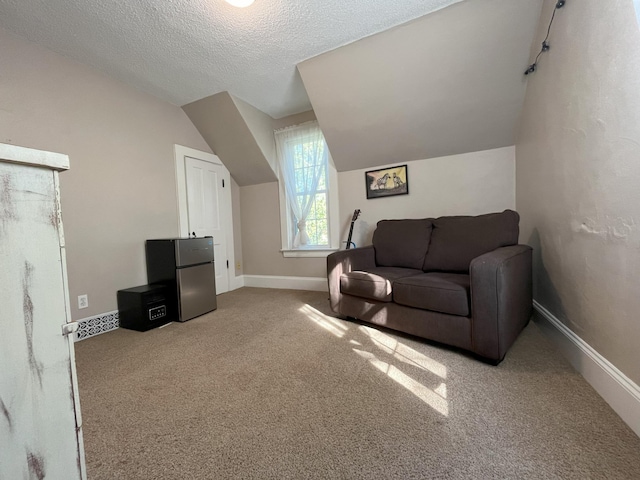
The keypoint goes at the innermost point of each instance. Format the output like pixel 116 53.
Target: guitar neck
pixel 356 214
pixel 350 234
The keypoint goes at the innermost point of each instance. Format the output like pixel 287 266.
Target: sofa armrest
pixel 501 299
pixel 346 261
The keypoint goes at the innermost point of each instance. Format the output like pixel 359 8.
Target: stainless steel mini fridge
pixel 186 266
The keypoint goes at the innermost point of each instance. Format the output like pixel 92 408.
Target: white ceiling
pixel 185 50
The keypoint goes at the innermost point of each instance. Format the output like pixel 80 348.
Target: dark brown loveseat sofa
pixel 463 281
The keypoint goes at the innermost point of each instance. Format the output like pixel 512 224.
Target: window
pixel 306 175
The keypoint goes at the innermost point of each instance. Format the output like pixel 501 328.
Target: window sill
pixel 308 252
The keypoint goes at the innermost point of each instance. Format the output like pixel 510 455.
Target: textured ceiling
pixel 185 50
pixel 447 83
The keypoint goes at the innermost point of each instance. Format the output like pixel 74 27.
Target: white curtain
pixel 302 158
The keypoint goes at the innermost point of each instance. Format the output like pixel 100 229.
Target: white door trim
pixel 180 152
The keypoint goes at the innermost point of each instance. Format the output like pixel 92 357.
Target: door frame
pixel 180 152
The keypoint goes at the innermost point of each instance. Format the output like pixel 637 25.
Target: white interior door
pixel 207 210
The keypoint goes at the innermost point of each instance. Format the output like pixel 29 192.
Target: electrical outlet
pixel 83 301
pixel 238 265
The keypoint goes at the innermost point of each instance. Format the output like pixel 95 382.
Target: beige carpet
pixel 270 386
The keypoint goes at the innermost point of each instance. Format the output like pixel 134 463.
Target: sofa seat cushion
pixel 375 283
pixel 439 292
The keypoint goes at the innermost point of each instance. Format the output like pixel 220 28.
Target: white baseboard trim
pixel 236 282
pixel 316 284
pixel 619 391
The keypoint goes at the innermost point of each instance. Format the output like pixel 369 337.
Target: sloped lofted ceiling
pixel 186 50
pixel 241 135
pixel 450 82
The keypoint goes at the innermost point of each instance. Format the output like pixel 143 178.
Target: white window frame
pixel 333 226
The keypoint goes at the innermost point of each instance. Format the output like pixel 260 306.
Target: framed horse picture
pixel 387 182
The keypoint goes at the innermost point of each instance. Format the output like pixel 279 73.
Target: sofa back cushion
pixel 455 241
pixel 401 243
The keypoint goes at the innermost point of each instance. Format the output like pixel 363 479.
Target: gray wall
pixel 578 175
pixel 261 243
pixel 260 222
pixel 120 189
pixel 467 184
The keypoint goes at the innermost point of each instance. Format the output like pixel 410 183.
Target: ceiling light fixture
pixel 240 3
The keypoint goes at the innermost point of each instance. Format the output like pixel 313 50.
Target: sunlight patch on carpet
pixel 428 396
pixel 404 353
pixel 436 399
pixel 328 323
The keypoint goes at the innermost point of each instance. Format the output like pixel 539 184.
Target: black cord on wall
pixel 545 42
